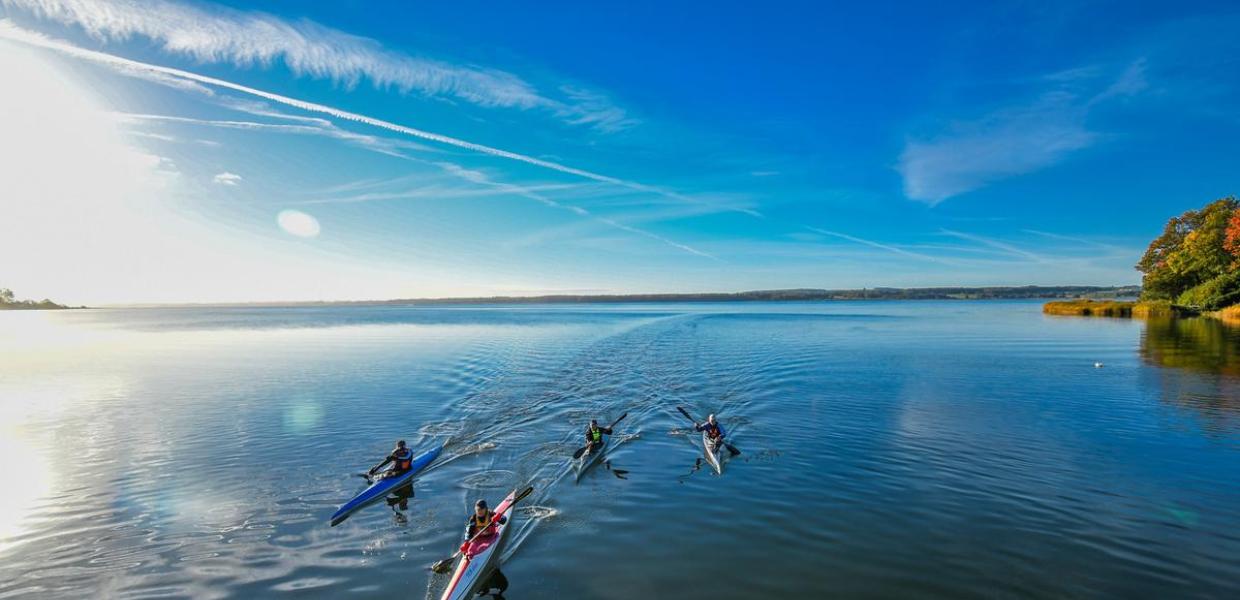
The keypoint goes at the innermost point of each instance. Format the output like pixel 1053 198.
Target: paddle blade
pixel 444 565
pixel 685 413
pixel 578 452
pixel 732 449
pixel 617 421
pixel 527 491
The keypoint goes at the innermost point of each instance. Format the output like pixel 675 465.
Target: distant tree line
pixel 9 302
pixel 791 295
pixel 1195 262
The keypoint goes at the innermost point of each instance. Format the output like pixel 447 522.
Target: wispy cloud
pixel 226 178
pixel 1010 142
pixel 873 244
pixel 319 127
pixel 125 65
pixel 480 178
pixel 1068 238
pixel 1014 140
pixel 434 192
pixel 996 244
pixel 217 34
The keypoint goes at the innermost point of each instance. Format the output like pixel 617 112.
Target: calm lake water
pixel 890 450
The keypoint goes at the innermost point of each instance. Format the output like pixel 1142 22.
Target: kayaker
pixel 594 434
pixel 713 430
pixel 482 520
pixel 401 459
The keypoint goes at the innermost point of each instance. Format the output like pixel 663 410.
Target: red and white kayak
pixel 480 558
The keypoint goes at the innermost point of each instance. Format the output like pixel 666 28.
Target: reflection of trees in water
pixel 1204 346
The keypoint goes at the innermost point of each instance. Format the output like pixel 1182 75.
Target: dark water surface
pixel 890 450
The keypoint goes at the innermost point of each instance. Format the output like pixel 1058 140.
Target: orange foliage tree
pixel 1232 240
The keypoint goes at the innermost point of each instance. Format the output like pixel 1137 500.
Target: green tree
pixel 6 296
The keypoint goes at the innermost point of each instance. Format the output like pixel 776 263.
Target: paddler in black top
pixel 482 520
pixel 401 459
pixel 594 434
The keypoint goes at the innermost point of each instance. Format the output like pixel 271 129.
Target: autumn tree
pixel 1231 241
pixel 1192 250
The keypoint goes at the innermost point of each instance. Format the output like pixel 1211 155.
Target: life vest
pixel 712 430
pixel 403 461
pixel 481 523
pixel 596 434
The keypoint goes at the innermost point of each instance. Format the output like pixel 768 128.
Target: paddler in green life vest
pixel 594 435
pixel 401 459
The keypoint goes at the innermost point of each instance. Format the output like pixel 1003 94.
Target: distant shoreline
pixel 792 295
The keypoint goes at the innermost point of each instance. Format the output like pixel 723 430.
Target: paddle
pixel 582 450
pixel 442 566
pixel 732 449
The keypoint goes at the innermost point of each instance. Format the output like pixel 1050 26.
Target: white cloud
pixel 1018 139
pixel 226 178
pixel 247 38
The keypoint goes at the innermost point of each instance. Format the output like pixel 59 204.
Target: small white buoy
pixel 1097 365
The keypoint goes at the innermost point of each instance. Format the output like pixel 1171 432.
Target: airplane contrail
pixel 31 38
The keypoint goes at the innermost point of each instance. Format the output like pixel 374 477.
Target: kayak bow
pixel 382 487
pixel 482 557
pixel 712 452
pixel 588 459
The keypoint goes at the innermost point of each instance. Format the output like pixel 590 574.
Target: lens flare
pixel 298 223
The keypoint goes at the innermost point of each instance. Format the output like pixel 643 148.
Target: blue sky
pixel 197 152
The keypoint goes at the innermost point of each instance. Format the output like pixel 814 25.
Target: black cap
pixel 480 504
pixel 400 444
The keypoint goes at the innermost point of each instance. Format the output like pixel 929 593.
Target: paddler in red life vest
pixel 714 432
pixel 482 520
pixel 594 435
pixel 401 459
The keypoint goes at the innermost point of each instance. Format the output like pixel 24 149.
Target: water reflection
pixel 28 472
pixel 495 586
pixel 398 500
pixel 1205 345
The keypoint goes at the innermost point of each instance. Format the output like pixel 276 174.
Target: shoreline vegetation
pixel 1192 269
pixel 789 295
pixel 9 302
pixel 1115 308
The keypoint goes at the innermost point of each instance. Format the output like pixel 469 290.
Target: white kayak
pixel 714 453
pixel 588 459
pixel 482 557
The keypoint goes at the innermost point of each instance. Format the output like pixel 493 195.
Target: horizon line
pixel 790 294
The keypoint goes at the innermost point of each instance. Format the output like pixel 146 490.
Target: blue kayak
pixel 382 487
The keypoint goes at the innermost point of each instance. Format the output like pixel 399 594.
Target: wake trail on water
pixel 646 371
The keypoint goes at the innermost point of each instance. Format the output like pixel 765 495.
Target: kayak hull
pixel 473 570
pixel 713 456
pixel 381 488
pixel 590 458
